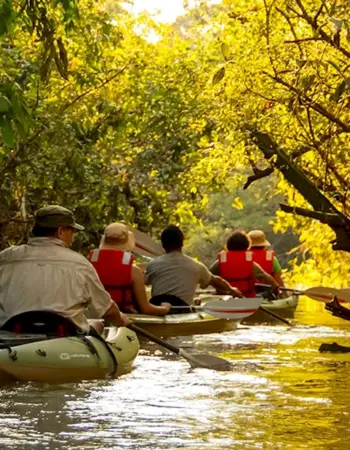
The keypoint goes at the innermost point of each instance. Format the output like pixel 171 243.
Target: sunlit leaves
pixel 218 76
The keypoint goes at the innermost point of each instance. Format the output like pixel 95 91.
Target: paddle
pixel 276 316
pixel 227 307
pixel 266 311
pixel 145 245
pixel 320 293
pixel 196 360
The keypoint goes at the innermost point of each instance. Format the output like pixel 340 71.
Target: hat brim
pixel 127 246
pixel 261 244
pixel 78 227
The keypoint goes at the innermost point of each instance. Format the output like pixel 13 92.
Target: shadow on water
pixel 282 394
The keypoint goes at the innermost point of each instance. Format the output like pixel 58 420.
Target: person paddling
pixel 265 257
pixel 175 276
pixel 45 275
pixel 236 265
pixel 121 278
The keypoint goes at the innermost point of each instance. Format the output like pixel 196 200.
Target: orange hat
pixel 258 239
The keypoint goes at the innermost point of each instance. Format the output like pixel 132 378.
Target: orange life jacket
pixel 114 267
pixel 237 268
pixel 264 258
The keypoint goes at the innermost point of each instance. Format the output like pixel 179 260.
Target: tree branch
pixel 325 37
pixel 258 174
pixel 311 103
pixel 298 41
pixel 94 88
pixel 327 218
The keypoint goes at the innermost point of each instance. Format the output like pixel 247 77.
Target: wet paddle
pixel 276 316
pixel 196 360
pixel 247 301
pixel 319 293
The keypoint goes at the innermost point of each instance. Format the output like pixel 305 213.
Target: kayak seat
pixel 173 300
pixel 265 291
pixel 41 322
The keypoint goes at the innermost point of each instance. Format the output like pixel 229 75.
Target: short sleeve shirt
pixel 177 274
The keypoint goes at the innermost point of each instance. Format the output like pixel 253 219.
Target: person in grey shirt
pixel 175 274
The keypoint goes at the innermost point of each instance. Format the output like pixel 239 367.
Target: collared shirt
pixel 46 275
pixel 177 274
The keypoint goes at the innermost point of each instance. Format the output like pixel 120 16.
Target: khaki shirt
pixel 177 274
pixel 46 275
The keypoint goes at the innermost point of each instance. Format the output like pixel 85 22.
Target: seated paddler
pixel 265 256
pixel 123 280
pixel 45 275
pixel 174 276
pixel 237 266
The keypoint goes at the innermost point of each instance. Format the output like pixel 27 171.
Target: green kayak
pixel 66 359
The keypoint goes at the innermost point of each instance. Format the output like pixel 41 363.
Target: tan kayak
pixel 183 324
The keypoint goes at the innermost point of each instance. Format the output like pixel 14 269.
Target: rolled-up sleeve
pixel 100 300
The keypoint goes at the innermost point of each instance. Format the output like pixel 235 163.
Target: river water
pixel 283 394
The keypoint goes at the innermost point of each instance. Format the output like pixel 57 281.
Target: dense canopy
pixel 122 118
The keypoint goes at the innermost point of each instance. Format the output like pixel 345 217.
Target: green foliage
pixel 97 116
pixel 221 216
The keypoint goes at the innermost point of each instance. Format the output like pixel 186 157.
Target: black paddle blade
pixel 206 361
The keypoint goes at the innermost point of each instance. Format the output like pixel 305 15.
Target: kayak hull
pixel 284 307
pixel 183 324
pixel 69 359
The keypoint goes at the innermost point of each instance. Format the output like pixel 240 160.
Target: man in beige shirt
pixel 178 275
pixel 46 275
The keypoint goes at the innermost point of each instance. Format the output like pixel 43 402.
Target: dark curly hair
pixel 238 240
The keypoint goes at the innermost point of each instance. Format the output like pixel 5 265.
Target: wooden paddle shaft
pixel 154 338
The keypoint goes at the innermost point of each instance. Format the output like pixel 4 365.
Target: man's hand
pixel 235 292
pixel 125 321
pixel 166 305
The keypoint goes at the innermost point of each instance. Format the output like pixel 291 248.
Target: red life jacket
pixel 237 268
pixel 114 267
pixel 264 258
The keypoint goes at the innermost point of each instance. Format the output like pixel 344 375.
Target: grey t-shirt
pixel 177 274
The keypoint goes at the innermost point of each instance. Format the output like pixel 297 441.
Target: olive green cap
pixel 55 216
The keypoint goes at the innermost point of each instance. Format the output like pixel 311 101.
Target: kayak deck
pixel 183 324
pixel 67 359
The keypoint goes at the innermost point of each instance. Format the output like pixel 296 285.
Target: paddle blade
pixel 343 295
pixel 326 294
pixel 206 361
pixel 232 308
pixel 145 245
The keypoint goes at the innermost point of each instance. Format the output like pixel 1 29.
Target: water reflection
pixel 283 394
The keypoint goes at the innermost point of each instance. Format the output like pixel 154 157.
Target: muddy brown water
pixel 282 394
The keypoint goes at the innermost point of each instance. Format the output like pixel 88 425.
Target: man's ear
pixel 60 232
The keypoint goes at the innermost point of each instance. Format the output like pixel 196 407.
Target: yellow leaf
pixel 237 203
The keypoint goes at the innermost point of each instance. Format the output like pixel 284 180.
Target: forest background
pixel 121 118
